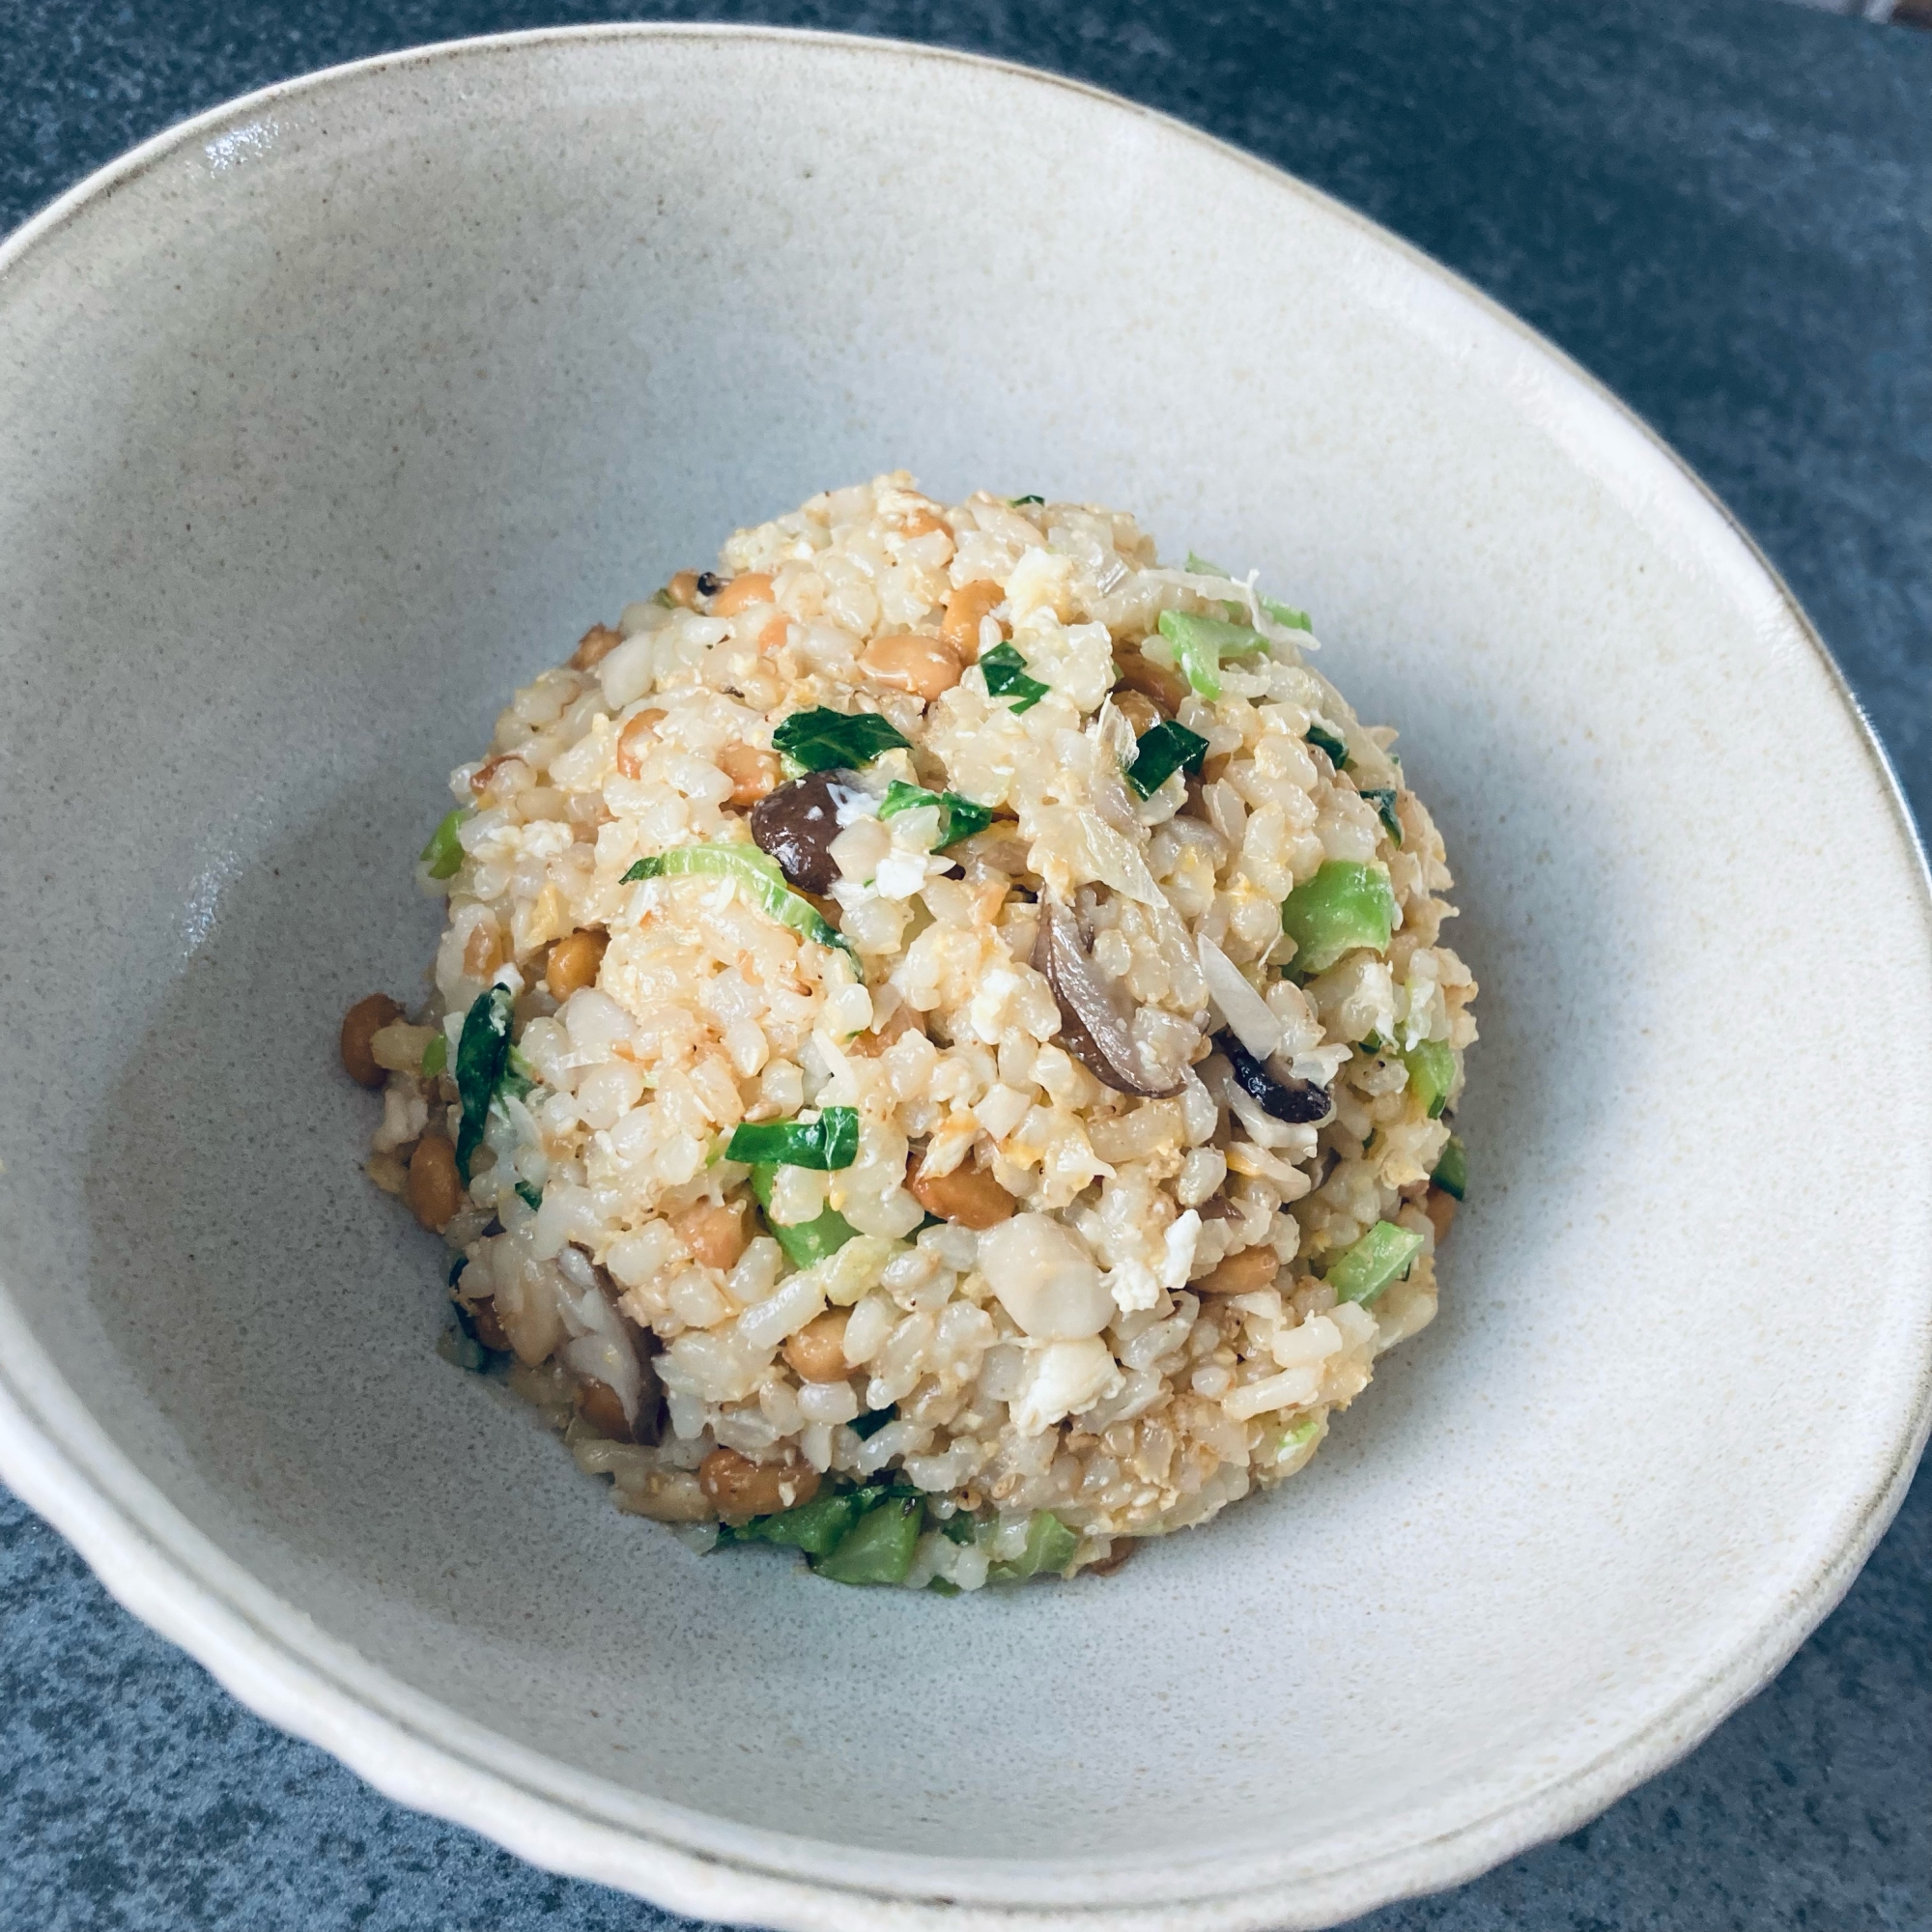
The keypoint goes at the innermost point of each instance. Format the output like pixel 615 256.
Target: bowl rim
pixel 262 1649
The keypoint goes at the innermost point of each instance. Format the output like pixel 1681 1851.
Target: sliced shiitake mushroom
pixel 603 1407
pixel 1094 1026
pixel 797 823
pixel 1300 1103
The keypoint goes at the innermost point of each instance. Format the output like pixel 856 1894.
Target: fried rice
pixel 940 1055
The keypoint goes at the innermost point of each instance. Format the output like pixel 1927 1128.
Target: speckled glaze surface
pixel 324 419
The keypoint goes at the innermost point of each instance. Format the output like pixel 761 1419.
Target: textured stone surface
pixel 1726 211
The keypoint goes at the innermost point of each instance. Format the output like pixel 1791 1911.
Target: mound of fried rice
pixel 1143 1180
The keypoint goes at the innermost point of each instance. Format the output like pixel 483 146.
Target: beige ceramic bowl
pixel 331 417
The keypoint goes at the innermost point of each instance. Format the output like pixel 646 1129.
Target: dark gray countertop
pixel 1723 208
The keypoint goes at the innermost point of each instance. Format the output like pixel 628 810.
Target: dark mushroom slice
pixel 478 1321
pixel 1001 847
pixel 1093 1026
pixel 1299 1103
pixel 797 823
pixel 483 1323
pixel 603 1407
pixel 596 1371
pixel 648 1426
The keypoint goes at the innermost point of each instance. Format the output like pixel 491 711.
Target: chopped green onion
pixel 1201 644
pixel 444 854
pixel 1452 1171
pixel 1345 905
pixel 958 817
pixel 1431 1072
pixel 824 740
pixel 1049 1546
pixel 1365 1267
pixel 944 1586
pixel 482 1056
pixel 1382 798
pixel 804 1242
pixel 829 1142
pixel 531 1195
pixel 1165 749
pixel 878 1549
pixel 664 600
pixel 1373 1043
pixel 873 1420
pixel 960 1527
pixel 1017 502
pixel 759 874
pixel 1325 740
pixel 1005 675
pixel 1286 614
pixel 436 1055
pixel 1199 566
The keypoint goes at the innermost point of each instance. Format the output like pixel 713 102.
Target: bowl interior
pixel 346 417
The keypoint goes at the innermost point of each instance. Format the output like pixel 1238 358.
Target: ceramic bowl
pixel 328 418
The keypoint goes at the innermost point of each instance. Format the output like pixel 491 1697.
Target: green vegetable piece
pixel 817 1527
pixel 1345 905
pixel 872 1421
pixel 1373 1043
pixel 960 1527
pixel 1365 1267
pixel 1017 502
pixel 518 1076
pixel 1201 645
pixel 757 873
pixel 1382 798
pixel 1289 1440
pixel 1324 740
pixel 1199 566
pixel 531 1195
pixel 878 1547
pixel 1431 1072
pixel 1165 749
pixel 1049 1546
pixel 1452 1171
pixel 443 853
pixel 1005 675
pixel 803 1241
pixel 459 1347
pixel 831 1141
pixel 958 817
pixel 964 816
pixel 806 1243
pixel 1051 1540
pixel 901 797
pixel 943 1586
pixel 482 1053
pixel 822 740
pixel 1286 614
pixel 436 1055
